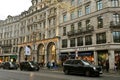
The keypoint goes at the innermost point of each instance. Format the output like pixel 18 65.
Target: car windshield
pixel 12 63
pixel 85 62
pixel 33 63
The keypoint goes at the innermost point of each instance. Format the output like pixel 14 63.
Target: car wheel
pixel 87 73
pixel 97 74
pixel 21 69
pixel 66 72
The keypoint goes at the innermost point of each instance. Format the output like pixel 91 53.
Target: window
pixel 64 17
pixel 115 3
pixel 64 43
pixel 87 9
pixel 79 1
pixel 72 15
pixel 49 34
pixel 88 40
pixel 116 18
pixel 100 21
pixel 64 31
pixel 79 25
pixel 116 37
pixel 72 2
pixel 101 38
pixel 79 13
pixel 72 42
pixel 99 5
pixel 87 23
pixel 72 27
pixel 80 41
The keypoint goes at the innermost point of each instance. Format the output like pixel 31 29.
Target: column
pixel 111 59
pixel 46 60
pixel 95 58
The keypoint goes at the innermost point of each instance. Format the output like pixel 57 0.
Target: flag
pixel 27 50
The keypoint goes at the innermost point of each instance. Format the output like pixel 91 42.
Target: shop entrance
pixel 51 52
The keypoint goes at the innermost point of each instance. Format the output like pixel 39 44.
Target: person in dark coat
pixel 107 65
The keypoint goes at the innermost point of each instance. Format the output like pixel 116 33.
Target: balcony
pixel 82 31
pixel 115 25
pixel 6 45
pixel 53 14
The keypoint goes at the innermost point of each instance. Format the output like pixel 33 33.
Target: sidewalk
pixel 112 72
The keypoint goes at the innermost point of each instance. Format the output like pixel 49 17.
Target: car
pixel 81 67
pixel 10 65
pixel 29 66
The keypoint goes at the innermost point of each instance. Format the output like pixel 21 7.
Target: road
pixel 49 75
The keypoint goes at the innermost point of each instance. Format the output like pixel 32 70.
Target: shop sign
pixel 101 47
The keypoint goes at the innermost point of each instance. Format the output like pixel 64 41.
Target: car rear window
pixel 68 62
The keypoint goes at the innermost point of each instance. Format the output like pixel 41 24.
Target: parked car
pixel 81 67
pixel 9 65
pixel 1 64
pixel 29 66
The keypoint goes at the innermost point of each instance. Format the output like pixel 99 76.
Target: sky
pixel 13 7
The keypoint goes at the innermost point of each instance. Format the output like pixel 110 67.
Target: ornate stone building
pixel 56 30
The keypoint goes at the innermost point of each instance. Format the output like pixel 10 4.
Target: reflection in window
pixel 87 9
pixel 99 4
pixel 116 37
pixel 88 40
pixel 100 22
pixel 101 38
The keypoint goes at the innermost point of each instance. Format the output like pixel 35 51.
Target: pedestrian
pixel 115 67
pixel 48 65
pixel 107 65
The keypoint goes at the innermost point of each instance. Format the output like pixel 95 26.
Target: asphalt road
pixel 49 75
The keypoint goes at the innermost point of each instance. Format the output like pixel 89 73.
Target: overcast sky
pixel 13 7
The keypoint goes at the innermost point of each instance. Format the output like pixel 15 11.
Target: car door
pixel 80 67
pixel 77 66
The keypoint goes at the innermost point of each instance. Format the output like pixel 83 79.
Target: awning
pixel 85 54
pixel 13 56
pixel 63 54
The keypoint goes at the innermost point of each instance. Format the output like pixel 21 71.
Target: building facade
pixel 56 30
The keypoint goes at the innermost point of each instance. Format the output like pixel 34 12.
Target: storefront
pixel 103 55
pixel 13 58
pixel 87 55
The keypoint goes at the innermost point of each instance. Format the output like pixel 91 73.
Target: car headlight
pixel 32 66
pixel 94 68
